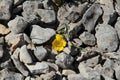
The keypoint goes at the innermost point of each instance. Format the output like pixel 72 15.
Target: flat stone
pixel 41 35
pixel 38 68
pixel 4 30
pixel 64 60
pixel 88 38
pixel 40 53
pixel 47 16
pixel 107 39
pixel 5 7
pixel 19 65
pixel 68 72
pixel 17 25
pixel 25 55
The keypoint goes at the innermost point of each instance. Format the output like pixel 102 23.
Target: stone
pixel 40 52
pixel 77 42
pixel 117 27
pixel 2 40
pixel 1 51
pixel 7 64
pixel 117 7
pixel 64 60
pixel 5 7
pixel 5 74
pixel 117 72
pixel 4 30
pixel 88 38
pixel 91 16
pixel 76 77
pixel 38 68
pixel 47 16
pixel 107 39
pixel 19 65
pixel 67 72
pixel 49 76
pixel 92 62
pixel 17 25
pixel 108 9
pixel 41 35
pixel 25 55
pixel 71 13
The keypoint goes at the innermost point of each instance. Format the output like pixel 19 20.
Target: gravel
pixel 89 27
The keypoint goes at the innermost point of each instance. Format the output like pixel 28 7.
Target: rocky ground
pixel 91 29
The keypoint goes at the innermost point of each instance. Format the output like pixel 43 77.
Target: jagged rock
pixel 17 25
pixel 41 35
pixel 40 53
pixel 19 65
pixel 5 7
pixel 91 16
pixel 64 60
pixel 38 68
pixel 25 55
pixel 88 38
pixel 5 74
pixel 107 39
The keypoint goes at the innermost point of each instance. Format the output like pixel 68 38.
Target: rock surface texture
pixel 59 39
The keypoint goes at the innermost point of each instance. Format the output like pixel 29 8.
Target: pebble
pixel 88 38
pixel 17 25
pixel 25 55
pixel 64 60
pixel 107 39
pixel 38 68
pixel 5 9
pixel 67 72
pixel 41 35
pixel 40 53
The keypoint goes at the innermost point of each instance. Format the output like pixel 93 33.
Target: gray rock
pixel 117 7
pixel 19 65
pixel 64 60
pixel 40 53
pixel 92 62
pixel 108 9
pixel 17 25
pixel 5 74
pixel 88 38
pixel 2 40
pixel 47 16
pixel 67 72
pixel 77 42
pixel 5 7
pixel 7 64
pixel 38 68
pixel 117 27
pixel 41 35
pixel 76 77
pixel 91 16
pixel 107 39
pixel 117 72
pixel 25 55
pixel 71 13
pixel 1 51
pixel 49 76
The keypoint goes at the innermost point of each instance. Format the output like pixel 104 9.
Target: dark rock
pixel 17 25
pixel 88 38
pixel 40 53
pixel 41 35
pixel 5 7
pixel 107 39
pixel 91 16
pixel 64 60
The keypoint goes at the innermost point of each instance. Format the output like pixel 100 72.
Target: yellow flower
pixel 59 43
